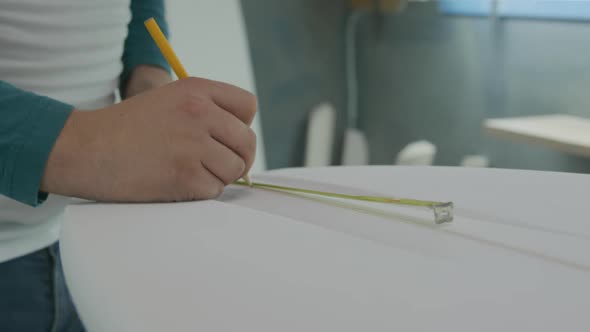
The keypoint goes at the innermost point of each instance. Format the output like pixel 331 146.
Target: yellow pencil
pixel 171 57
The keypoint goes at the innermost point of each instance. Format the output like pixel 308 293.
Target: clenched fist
pixel 183 141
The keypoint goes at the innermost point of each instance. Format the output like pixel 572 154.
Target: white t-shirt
pixel 69 50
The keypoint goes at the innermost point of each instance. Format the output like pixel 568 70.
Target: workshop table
pixel 560 132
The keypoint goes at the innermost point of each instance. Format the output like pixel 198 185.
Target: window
pixel 542 9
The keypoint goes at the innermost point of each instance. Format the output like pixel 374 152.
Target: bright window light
pixel 540 9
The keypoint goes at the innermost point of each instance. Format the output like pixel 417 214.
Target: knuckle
pixel 215 190
pixel 234 169
pixel 202 187
pixel 196 104
pixel 239 168
pixel 192 181
pixel 251 141
pixel 253 103
pixel 193 99
pixel 190 83
pixel 184 172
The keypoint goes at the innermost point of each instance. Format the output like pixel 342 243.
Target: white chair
pixel 419 153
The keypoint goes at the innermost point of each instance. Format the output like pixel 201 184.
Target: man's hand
pixel 144 78
pixel 183 141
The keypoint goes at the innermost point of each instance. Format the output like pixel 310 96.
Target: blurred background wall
pixel 297 53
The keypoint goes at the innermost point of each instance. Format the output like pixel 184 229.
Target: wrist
pixel 144 78
pixel 68 170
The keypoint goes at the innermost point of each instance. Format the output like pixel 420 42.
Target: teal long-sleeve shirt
pixel 30 124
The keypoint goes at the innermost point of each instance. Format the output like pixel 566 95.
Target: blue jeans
pixel 34 296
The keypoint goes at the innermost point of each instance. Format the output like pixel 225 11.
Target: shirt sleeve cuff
pixel 32 156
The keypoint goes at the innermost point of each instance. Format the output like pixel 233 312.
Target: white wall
pixel 210 39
